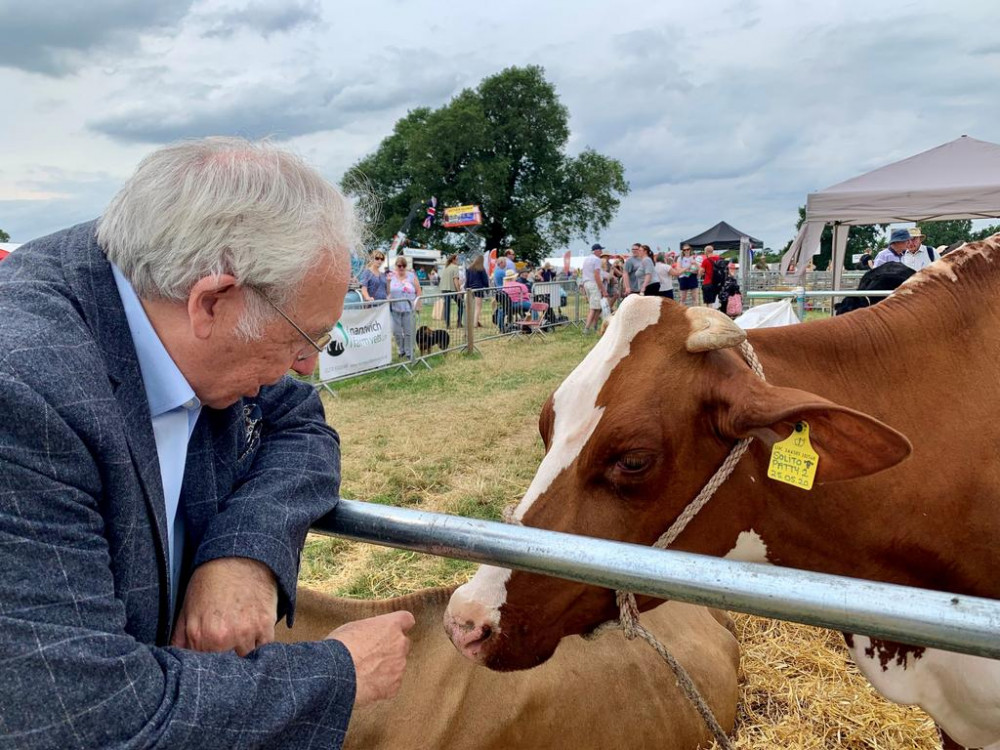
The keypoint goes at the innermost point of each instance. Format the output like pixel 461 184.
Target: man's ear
pixel 850 444
pixel 206 299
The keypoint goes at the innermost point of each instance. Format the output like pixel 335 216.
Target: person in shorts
pixel 593 285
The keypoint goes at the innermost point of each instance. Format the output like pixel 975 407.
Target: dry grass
pixel 463 439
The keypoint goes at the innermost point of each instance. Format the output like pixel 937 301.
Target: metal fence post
pixel 470 321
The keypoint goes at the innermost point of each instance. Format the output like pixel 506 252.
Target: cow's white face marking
pixel 575 401
pixel 576 417
pixel 749 548
pixel 961 692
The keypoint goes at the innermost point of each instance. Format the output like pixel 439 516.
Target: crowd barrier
pixel 439 322
pixel 936 619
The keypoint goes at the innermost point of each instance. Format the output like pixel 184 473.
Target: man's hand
pixel 231 605
pixel 378 647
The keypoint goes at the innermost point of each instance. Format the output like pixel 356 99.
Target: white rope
pixel 628 611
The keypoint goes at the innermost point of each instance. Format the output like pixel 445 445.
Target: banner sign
pixel 362 340
pixel 462 216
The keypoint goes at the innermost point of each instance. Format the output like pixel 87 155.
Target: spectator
pixel 650 282
pixel 899 240
pixel 478 280
pixel 730 297
pixel 520 297
pixel 865 261
pixel 687 280
pixel 160 471
pixel 917 254
pixel 451 285
pixel 403 286
pixel 499 272
pixel 508 254
pixel 710 279
pixel 593 286
pixel 435 279
pixel 524 277
pixel 373 281
pixel 664 276
pixel 547 274
pixel 614 284
pixel 639 270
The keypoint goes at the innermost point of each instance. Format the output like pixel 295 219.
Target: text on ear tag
pixel 793 460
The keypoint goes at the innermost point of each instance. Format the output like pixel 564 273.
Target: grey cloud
pixel 264 18
pixel 315 102
pixel 57 41
pixel 84 197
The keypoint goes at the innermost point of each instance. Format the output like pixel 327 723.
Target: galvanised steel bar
pixel 821 293
pixel 909 615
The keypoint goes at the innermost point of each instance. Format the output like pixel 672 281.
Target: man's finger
pixel 406 620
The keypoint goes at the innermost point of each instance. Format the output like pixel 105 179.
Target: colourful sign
pixel 462 216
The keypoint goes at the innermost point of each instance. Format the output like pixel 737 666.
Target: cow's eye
pixel 632 463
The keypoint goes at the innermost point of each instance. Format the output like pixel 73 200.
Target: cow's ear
pixel 850 444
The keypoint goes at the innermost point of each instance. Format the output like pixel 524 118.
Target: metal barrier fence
pixel 901 613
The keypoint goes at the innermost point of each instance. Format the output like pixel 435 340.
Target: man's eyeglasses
pixel 319 344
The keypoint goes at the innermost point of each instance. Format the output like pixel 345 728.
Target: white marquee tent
pixel 957 180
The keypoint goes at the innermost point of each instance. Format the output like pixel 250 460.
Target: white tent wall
pixel 957 180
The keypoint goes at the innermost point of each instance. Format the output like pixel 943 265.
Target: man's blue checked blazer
pixel 84 621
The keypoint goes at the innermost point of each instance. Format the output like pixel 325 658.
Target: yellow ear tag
pixel 793 460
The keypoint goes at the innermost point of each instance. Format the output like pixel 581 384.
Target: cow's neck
pixel 917 363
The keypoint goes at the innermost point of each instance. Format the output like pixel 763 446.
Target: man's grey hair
pixel 226 206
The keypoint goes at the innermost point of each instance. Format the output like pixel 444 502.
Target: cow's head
pixel 631 436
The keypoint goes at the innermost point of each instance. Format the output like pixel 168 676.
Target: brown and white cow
pixel 635 431
pixel 592 695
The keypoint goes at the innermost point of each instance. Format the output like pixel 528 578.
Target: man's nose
pixel 305 366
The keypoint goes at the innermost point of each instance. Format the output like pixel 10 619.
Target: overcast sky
pixel 719 110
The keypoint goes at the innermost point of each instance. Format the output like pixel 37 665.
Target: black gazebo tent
pixel 722 237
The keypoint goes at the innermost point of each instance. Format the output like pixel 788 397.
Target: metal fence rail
pixel 930 618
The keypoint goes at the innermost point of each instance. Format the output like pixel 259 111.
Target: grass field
pixel 463 439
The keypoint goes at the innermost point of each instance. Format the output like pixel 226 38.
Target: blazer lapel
pixel 102 309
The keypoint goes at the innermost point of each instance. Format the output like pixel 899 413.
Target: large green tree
pixel 4 237
pixel 946 232
pixel 983 233
pixel 502 146
pixel 860 239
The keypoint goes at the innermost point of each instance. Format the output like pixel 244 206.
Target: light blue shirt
pixel 174 410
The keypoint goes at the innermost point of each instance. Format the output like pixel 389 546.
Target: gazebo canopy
pixel 957 180
pixel 722 236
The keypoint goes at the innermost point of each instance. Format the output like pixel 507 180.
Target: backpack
pixel 720 271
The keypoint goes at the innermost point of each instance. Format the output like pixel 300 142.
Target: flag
pixel 566 262
pixel 431 212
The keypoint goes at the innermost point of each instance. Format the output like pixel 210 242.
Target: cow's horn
pixel 711 329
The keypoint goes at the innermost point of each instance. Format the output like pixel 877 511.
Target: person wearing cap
pixel 898 242
pixel 593 285
pixel 918 254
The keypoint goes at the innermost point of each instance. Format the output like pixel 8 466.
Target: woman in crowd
pixel 687 278
pixel 478 280
pixel 647 272
pixel 520 297
pixel 664 275
pixel 730 297
pixel 403 286
pixel 374 285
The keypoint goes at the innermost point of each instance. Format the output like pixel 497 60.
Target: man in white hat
pixel 593 285
pixel 917 254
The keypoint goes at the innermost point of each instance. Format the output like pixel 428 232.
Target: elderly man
pixel 159 472
pixel 899 240
pixel 917 254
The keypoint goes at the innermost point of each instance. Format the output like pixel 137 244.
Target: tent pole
pixel 837 253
